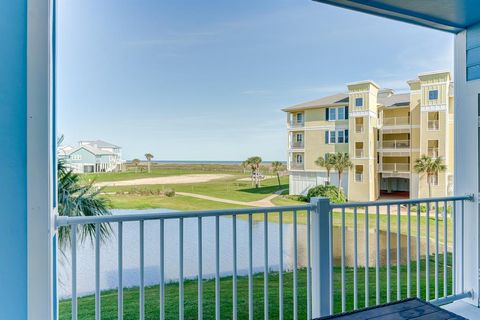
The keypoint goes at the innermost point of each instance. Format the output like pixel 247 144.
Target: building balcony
pixel 359 153
pixel 297 166
pixel 433 152
pixel 319 249
pixel 394 167
pixel 293 124
pixel 394 145
pixel 395 124
pixel 297 145
pixel 359 128
pixel 433 125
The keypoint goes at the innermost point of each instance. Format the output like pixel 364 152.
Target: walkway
pixel 265 202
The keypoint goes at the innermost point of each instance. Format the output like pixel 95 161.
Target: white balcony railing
pixel 433 125
pixel 296 166
pixel 395 121
pixel 358 128
pixel 297 145
pixel 358 153
pixel 433 152
pixel 394 167
pixel 295 124
pixel 426 257
pixel 395 144
pixel 358 177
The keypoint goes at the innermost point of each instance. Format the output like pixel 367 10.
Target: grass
pixel 230 188
pixel 86 305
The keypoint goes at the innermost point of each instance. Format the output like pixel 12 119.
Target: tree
pixel 431 167
pixel 135 163
pixel 149 158
pixel 254 164
pixel 278 166
pixel 341 162
pixel 326 163
pixel 79 199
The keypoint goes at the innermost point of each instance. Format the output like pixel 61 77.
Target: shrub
pixel 329 191
pixel 169 193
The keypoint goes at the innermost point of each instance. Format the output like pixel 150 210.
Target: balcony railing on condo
pixel 433 152
pixel 433 125
pixel 358 153
pixel 358 177
pixel 395 121
pixel 296 166
pixel 297 145
pixel 422 248
pixel 394 167
pixel 358 128
pixel 295 124
pixel 395 144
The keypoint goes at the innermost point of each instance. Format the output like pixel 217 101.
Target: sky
pixel 205 80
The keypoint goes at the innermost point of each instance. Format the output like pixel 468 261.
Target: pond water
pixel 131 275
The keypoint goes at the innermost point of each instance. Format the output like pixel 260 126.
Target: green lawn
pixel 86 305
pixel 133 197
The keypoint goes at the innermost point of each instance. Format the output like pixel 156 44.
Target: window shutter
pixel 327 114
pixel 346 135
pixel 346 112
pixel 326 137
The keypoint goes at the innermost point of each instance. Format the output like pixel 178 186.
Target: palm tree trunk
pixel 278 178
pixel 148 166
pixel 328 177
pixel 429 186
pixel 339 180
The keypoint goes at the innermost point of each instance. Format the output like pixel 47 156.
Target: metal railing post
pixel 321 248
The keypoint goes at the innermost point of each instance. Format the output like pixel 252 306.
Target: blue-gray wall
pixel 473 52
pixel 13 159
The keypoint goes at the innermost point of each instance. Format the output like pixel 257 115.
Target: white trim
pixel 355 114
pixel 423 85
pixel 39 161
pixel 433 107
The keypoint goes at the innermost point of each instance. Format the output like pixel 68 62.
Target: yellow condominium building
pixel 383 132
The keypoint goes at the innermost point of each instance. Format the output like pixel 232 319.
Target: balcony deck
pixel 463 309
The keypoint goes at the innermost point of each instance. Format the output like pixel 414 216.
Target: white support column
pixel 41 167
pixel 321 257
pixel 467 171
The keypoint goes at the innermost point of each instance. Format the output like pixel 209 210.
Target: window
pixel 299 158
pixel 76 157
pixel 433 94
pixel 332 114
pixel 358 102
pixel 336 136
pixel 341 114
pixel 299 137
pixel 434 179
pixel 332 137
pixel 299 117
pixel 359 173
pixel 341 137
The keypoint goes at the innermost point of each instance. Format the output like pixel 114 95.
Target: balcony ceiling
pixel 447 15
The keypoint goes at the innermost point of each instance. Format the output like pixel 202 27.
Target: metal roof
pixel 447 15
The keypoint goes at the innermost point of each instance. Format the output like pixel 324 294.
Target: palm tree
pixel 149 158
pixel 79 199
pixel 341 162
pixel 327 163
pixel 136 162
pixel 431 167
pixel 278 166
pixel 254 164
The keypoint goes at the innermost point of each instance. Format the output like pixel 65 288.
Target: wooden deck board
pixel 400 310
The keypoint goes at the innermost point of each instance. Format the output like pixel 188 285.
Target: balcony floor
pixel 463 309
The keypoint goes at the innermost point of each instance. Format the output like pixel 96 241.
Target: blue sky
pixel 205 80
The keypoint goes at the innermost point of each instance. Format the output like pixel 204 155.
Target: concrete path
pixel 265 202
